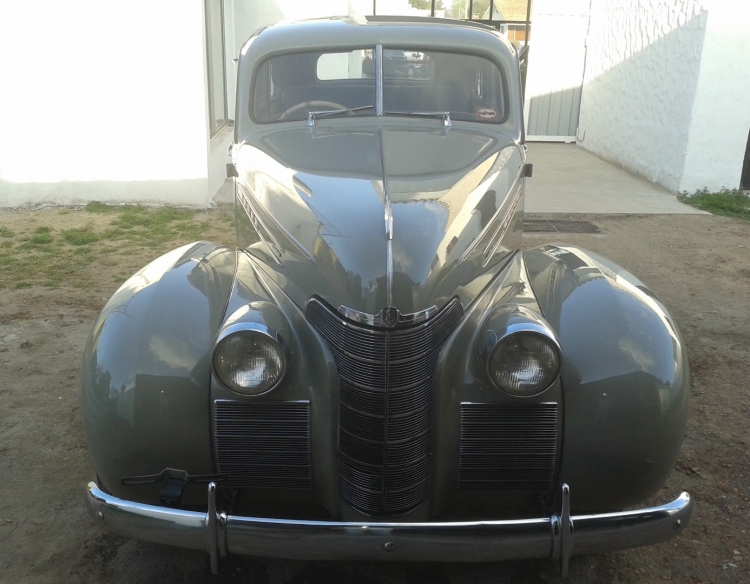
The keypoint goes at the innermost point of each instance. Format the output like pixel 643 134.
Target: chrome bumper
pixel 557 537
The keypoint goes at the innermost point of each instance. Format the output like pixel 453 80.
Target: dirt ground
pixel 699 266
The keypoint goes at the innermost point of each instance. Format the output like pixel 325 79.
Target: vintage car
pixel 377 371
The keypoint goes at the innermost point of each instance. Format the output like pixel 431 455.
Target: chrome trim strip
pixel 378 320
pixel 388 216
pixel 389 272
pixel 557 537
pixel 263 232
pixel 247 203
pixel 213 529
pixel 378 80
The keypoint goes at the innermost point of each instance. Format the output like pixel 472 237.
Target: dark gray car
pixel 377 371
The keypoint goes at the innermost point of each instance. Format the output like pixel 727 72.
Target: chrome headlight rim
pixel 524 328
pixel 255 329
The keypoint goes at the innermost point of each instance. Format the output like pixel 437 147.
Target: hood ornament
pixel 389 317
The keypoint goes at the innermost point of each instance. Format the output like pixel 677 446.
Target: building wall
pixel 643 65
pixel 103 101
pixel 721 110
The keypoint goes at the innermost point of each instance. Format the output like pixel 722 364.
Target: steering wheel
pixel 312 106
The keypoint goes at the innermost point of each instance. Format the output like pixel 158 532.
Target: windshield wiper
pixel 312 116
pixel 445 116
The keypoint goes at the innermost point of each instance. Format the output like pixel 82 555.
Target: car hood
pixel 368 218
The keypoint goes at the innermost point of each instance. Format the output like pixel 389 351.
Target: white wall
pixel 721 110
pixel 642 76
pixel 102 101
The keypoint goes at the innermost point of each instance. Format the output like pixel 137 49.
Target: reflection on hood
pixel 324 197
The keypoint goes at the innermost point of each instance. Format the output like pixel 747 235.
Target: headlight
pixel 249 361
pixel 521 351
pixel 524 363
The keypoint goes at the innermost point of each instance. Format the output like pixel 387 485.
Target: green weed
pixel 41 236
pixel 730 203
pixel 126 236
pixel 80 235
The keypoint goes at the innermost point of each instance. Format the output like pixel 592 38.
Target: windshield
pixel 414 82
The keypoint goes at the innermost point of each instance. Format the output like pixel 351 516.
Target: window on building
pixel 217 75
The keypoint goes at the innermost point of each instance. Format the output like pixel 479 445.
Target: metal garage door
pixel 557 58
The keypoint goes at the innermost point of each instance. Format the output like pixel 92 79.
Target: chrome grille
pixel 508 447
pixel 263 445
pixel 385 381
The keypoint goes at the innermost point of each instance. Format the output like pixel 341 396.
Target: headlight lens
pixel 248 362
pixel 524 364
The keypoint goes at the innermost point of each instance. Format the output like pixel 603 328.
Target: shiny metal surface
pixel 385 405
pixel 509 447
pixel 144 393
pixel 624 371
pixel 510 320
pixel 263 445
pixel 379 80
pixel 562 532
pixel 261 318
pixel 213 529
pixel 387 221
pixel 436 195
pixel 556 537
pixel 378 319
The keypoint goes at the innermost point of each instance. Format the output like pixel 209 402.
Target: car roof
pixel 395 31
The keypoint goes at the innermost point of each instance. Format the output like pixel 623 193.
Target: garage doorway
pixel 557 59
pixel 745 178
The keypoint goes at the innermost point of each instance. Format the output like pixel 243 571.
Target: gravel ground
pixel 699 266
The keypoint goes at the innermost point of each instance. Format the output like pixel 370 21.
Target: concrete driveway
pixel 570 180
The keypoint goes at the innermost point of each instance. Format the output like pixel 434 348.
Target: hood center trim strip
pixel 388 215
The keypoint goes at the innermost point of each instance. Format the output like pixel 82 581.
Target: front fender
pixel 625 376
pixel 146 368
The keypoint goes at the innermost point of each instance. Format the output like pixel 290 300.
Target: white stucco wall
pixel 640 85
pixel 721 109
pixel 102 101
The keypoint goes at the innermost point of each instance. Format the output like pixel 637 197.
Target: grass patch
pixel 80 235
pixel 729 203
pixel 97 207
pixel 41 236
pixel 84 251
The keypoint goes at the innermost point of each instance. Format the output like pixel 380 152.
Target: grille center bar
pixel 385 383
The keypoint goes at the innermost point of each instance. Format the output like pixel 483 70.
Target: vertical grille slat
pixel 508 447
pixel 385 381
pixel 264 446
